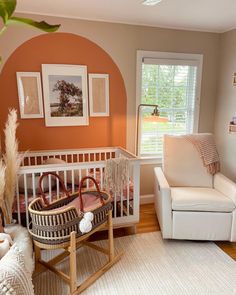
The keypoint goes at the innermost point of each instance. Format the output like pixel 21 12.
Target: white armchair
pixel 191 203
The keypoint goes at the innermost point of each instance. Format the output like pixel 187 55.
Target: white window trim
pixel 141 54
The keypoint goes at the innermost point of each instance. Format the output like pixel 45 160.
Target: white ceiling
pixel 201 15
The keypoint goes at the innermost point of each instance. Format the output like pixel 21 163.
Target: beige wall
pixel 122 42
pixel 226 104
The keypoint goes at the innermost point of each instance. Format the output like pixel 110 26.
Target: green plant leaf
pixel 7 7
pixel 39 25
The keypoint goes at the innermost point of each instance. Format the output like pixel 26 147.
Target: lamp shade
pixel 156 119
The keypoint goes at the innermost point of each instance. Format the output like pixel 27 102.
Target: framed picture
pixel 65 95
pixel 30 95
pixel 99 95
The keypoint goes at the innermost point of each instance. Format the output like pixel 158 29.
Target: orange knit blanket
pixel 205 145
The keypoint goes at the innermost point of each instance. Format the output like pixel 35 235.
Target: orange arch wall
pixel 64 48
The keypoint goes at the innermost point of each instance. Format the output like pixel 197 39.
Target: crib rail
pixel 79 163
pixel 70 156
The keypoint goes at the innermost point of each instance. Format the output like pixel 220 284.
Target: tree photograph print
pixel 66 96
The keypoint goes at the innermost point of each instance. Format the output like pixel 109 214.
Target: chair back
pixel 182 164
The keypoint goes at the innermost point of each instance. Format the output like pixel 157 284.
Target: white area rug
pixel 152 266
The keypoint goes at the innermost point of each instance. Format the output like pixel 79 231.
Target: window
pixel 172 81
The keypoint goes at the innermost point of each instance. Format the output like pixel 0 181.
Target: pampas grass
pixel 12 160
pixel 2 184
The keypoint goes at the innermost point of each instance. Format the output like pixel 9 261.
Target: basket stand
pixel 70 248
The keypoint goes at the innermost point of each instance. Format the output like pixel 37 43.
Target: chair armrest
pixel 225 186
pixel 163 202
pixel 162 181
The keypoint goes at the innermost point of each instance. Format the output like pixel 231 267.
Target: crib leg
pixel 72 250
pixel 110 237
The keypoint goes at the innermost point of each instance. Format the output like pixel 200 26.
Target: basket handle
pixel 80 191
pixel 41 190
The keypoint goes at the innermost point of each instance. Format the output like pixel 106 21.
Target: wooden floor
pixel 149 223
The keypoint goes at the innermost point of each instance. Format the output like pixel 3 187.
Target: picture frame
pixel 65 95
pixel 30 95
pixel 99 95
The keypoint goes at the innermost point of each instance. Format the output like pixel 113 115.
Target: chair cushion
pixel 182 164
pixel 200 199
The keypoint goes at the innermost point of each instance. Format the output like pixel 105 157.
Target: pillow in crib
pixel 69 173
pixel 29 183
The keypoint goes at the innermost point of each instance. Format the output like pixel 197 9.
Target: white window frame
pixel 171 56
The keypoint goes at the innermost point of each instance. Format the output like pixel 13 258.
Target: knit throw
pixel 116 175
pixel 205 145
pixel 15 279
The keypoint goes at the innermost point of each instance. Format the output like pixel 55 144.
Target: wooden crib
pixel 72 166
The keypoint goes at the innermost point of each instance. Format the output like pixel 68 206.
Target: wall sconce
pixel 154 117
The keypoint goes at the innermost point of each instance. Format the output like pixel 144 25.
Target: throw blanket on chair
pixel 205 145
pixel 116 175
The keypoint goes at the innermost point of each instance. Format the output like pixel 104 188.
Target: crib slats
pixel 26 199
pixel 33 185
pixel 50 187
pixel 18 202
pixel 65 178
pixel 57 184
pixel 73 180
pixel 128 191
pixel 121 203
pixel 87 181
pixel 92 162
pixel 80 174
pixel 101 178
pixel 42 181
pixel 115 205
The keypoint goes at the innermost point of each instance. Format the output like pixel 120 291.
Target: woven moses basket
pixel 52 223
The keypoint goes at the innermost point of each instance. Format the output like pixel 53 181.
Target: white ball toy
pixel 88 216
pixel 85 224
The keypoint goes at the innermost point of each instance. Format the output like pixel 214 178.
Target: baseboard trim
pixel 146 199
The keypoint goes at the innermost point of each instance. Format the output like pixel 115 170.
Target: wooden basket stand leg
pixel 70 250
pixel 112 259
pixel 37 257
pixel 110 237
pixel 73 272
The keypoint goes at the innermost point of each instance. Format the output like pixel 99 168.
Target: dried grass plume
pixel 2 184
pixel 12 160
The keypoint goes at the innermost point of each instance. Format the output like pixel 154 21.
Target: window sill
pixel 150 161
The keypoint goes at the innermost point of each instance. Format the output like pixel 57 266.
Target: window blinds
pixel 172 85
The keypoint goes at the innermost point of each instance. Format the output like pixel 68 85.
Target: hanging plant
pixel 7 8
